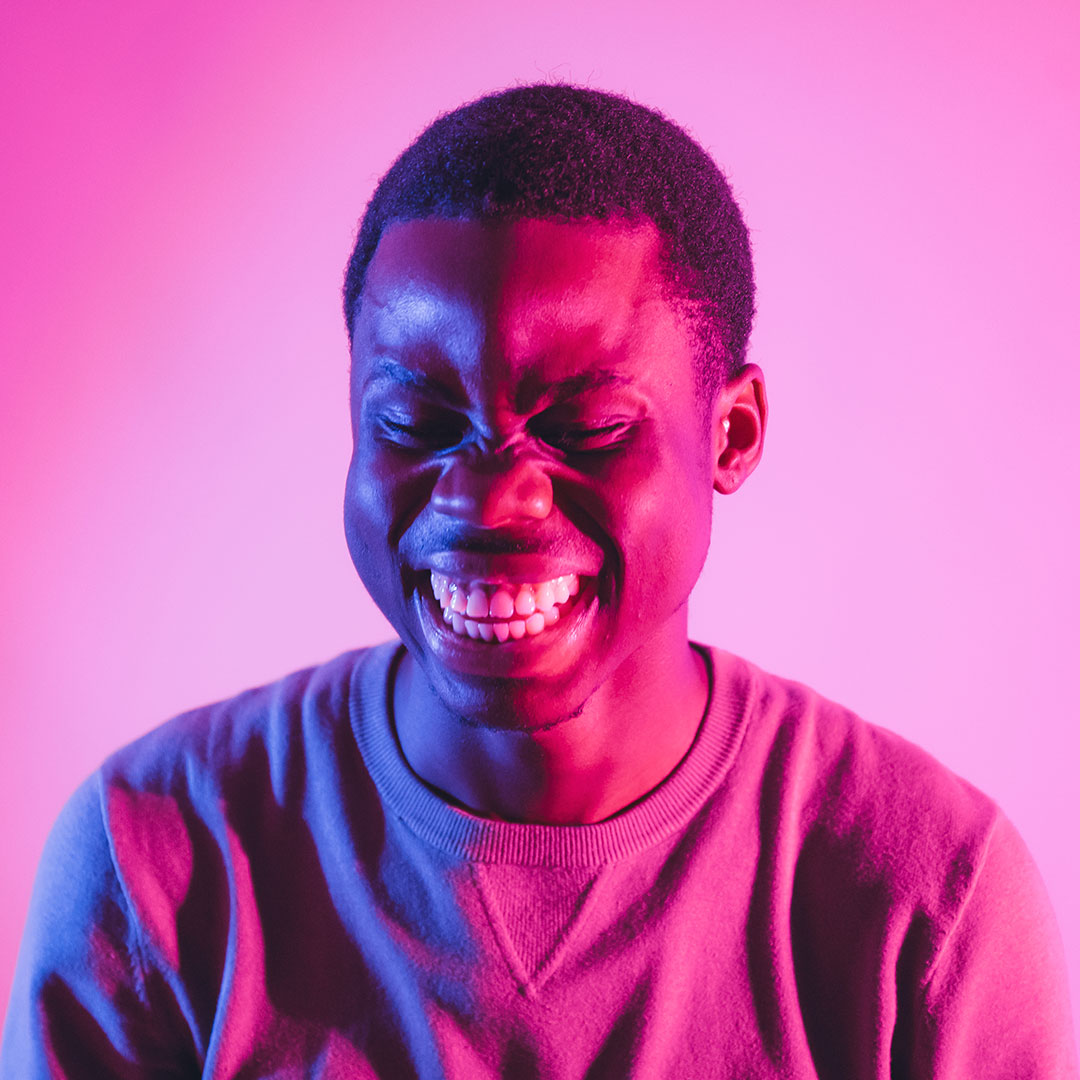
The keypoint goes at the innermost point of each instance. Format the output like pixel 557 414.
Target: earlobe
pixel 739 417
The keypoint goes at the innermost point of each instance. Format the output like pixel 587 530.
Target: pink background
pixel 180 188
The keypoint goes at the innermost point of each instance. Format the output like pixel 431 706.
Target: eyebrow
pixel 415 380
pixel 532 388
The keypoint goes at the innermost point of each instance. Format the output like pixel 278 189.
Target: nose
pixel 494 491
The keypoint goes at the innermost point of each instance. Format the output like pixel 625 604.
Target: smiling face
pixel 530 491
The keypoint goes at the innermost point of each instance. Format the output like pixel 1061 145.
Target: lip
pixel 528 656
pixel 503 569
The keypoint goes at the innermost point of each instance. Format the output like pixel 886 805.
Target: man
pixel 545 835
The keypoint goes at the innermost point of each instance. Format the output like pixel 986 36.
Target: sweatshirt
pixel 262 888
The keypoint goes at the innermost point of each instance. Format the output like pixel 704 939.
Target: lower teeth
pixel 498 632
pixel 470 611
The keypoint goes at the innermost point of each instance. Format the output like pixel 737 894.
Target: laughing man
pixel 543 835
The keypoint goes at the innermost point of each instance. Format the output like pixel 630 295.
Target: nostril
pixel 493 497
pixel 523 493
pixel 455 501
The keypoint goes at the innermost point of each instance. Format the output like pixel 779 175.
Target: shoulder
pixel 204 789
pixel 886 865
pixel 858 802
pixel 209 745
pixel 186 804
pixel 76 885
pixel 836 761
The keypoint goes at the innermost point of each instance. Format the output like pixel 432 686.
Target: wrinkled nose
pixel 494 492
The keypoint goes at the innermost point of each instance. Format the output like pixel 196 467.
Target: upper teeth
pixel 515 609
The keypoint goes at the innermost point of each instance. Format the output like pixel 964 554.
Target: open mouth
pixel 498 612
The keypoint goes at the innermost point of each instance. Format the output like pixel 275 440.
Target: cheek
pixel 359 524
pixel 664 530
pixel 383 496
pixel 369 517
pixel 671 537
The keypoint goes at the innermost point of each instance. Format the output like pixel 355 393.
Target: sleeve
pixel 84 1004
pixel 995 998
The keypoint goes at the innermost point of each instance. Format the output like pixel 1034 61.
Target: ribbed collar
pixel 666 810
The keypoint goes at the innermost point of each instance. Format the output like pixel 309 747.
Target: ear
pixel 737 444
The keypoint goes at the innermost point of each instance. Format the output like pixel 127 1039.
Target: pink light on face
pixel 179 197
pixel 620 344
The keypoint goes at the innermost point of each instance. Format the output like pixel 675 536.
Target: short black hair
pixel 564 152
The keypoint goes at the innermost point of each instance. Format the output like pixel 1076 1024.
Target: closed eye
pixel 583 439
pixel 420 434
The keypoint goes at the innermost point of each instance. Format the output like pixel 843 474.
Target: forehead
pixel 528 292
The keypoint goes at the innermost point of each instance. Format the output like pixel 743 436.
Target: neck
pixel 630 734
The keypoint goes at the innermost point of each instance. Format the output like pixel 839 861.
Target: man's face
pixel 530 491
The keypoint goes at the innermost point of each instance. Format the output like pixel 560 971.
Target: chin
pixel 500 703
